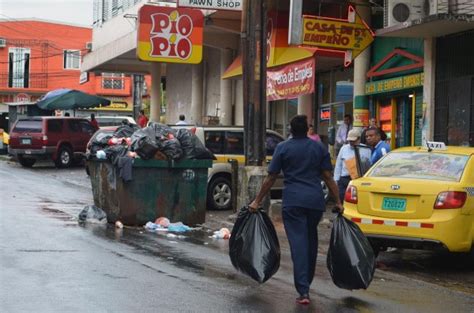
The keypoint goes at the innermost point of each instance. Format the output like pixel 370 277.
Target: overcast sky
pixel 70 11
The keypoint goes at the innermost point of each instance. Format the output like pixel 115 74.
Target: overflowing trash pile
pixel 156 141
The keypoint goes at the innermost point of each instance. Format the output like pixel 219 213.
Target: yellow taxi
pixel 4 139
pixel 417 197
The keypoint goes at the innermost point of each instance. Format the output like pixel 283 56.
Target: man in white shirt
pixel 182 120
pixel 346 155
pixel 342 132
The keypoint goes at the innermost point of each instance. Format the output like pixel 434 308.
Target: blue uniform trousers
pixel 301 226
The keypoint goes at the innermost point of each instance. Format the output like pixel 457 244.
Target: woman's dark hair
pixel 299 125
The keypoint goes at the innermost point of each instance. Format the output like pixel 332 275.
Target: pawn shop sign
pixel 352 35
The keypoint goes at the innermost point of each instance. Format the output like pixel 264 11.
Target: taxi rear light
pixel 351 194
pixel 450 200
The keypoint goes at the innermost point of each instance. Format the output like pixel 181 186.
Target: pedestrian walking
pixel 345 169
pixel 182 120
pixel 342 131
pixel 380 148
pixel 142 119
pixel 302 161
pixel 94 121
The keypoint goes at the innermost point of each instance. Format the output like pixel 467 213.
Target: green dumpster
pixel 176 190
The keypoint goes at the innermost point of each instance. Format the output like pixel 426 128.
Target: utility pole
pixel 137 94
pixel 254 77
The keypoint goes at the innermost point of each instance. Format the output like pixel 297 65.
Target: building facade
pixel 37 56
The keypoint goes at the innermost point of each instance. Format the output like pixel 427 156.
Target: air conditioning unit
pixel 3 42
pixel 401 11
pixel 89 46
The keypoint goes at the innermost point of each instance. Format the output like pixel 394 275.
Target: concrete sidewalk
pixel 215 220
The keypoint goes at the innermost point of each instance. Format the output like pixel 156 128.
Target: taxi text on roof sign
pixel 352 35
pixel 170 35
pixel 436 145
pixel 233 5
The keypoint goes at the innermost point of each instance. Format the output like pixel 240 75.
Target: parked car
pixel 117 120
pixel 61 139
pixel 417 198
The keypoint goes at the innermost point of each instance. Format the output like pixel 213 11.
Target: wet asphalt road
pixel 49 263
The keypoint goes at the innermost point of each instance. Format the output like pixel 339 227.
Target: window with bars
pixel 72 59
pixel 19 67
pixel 113 81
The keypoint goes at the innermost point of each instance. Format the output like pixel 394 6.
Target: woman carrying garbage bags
pixel 303 163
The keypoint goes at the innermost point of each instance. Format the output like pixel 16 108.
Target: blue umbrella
pixel 70 99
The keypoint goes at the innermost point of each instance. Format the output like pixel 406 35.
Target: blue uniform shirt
pixel 381 149
pixel 302 160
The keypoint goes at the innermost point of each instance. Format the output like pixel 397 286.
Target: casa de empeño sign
pixel 394 84
pixel 170 35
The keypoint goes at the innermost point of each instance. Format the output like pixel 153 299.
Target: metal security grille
pixel 454 93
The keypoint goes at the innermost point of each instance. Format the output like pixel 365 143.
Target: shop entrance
pixel 396 118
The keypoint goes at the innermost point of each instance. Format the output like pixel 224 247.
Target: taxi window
pixel 271 141
pixel 234 143
pixel 214 141
pixel 421 165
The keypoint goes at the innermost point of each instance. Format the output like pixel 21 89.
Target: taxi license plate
pixel 394 204
pixel 26 141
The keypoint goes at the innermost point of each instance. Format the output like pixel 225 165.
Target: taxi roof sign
pixel 436 145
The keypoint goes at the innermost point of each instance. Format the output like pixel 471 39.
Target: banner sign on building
pixel 352 34
pixel 170 35
pixel 233 5
pixel 290 81
pixel 394 84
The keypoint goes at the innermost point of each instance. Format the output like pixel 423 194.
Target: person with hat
pixel 345 169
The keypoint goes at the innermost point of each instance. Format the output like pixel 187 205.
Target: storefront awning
pixel 283 56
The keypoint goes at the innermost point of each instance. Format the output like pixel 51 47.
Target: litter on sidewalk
pixel 163 224
pixel 223 233
pixel 92 214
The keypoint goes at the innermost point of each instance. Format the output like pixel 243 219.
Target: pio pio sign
pixel 170 35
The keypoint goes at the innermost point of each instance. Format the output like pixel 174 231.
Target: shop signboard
pixel 351 35
pixel 395 84
pixel 170 35
pixel 232 5
pixel 290 81
pixel 116 105
pixel 325 114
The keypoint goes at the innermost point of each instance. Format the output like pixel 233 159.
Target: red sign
pixel 172 35
pixel 325 114
pixel 290 81
pixel 22 97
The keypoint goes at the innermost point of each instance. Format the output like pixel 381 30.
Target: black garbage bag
pixel 192 147
pixel 350 260
pixel 253 246
pixel 125 130
pixel 144 143
pixel 162 131
pixel 172 149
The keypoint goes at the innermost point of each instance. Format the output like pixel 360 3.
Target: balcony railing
pixel 457 7
pixel 35 81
